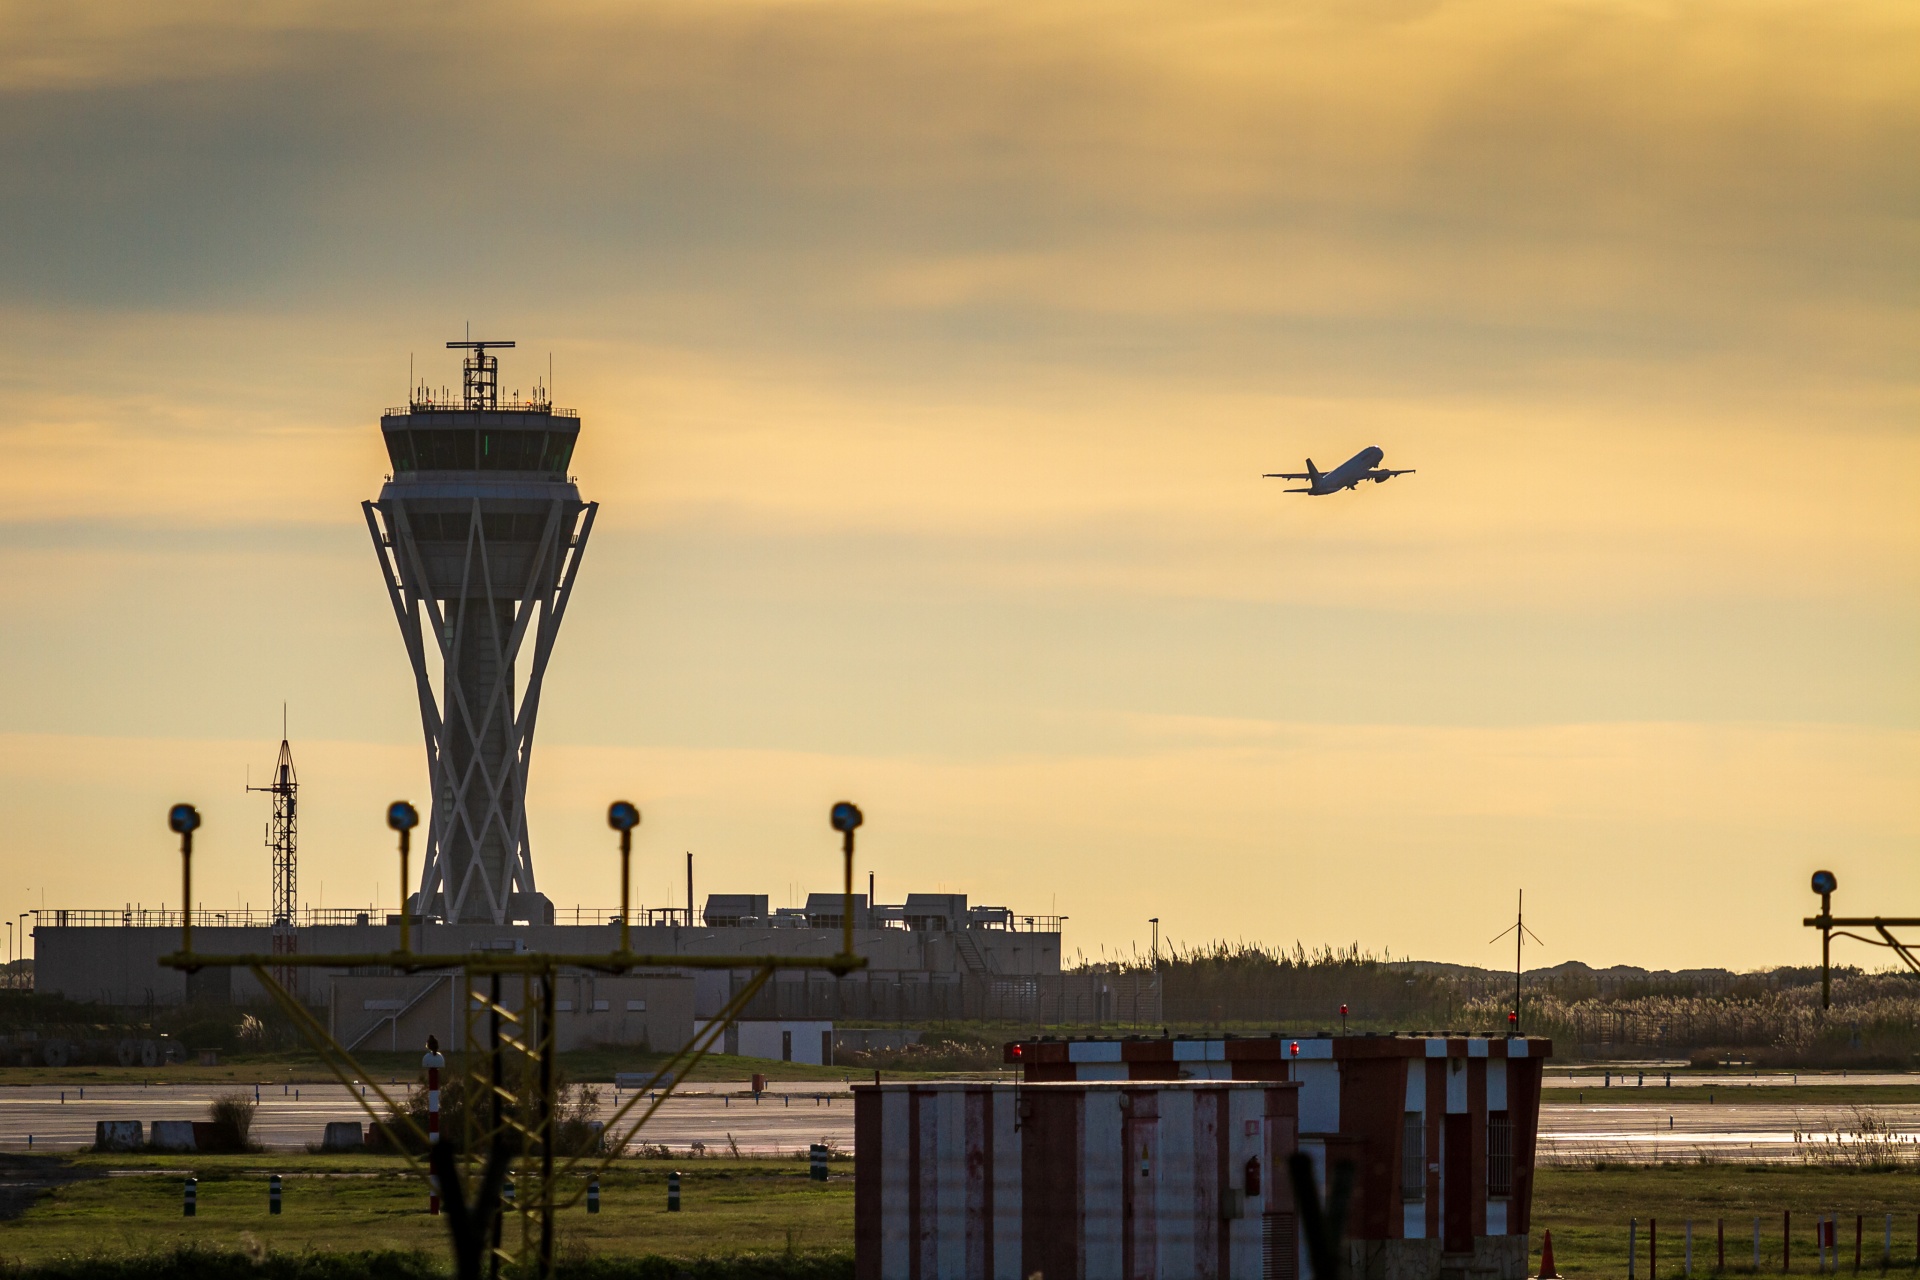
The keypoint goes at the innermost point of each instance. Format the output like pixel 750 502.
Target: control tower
pixel 479 532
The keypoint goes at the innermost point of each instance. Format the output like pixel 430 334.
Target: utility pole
pixel 1159 1003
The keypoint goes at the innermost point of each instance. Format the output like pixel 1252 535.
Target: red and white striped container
pixel 1440 1128
pixel 1110 1179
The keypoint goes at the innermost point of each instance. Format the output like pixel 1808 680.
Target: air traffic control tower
pixel 479 532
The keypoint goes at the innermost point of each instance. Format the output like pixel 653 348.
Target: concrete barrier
pixel 118 1135
pixel 343 1135
pixel 173 1135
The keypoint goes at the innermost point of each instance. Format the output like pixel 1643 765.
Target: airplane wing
pixel 1383 474
pixel 1286 475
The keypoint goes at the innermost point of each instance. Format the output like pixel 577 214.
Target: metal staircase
pixel 969 952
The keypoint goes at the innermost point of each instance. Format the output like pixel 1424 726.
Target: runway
pixel 786 1121
pixel 1651 1077
pixel 51 1119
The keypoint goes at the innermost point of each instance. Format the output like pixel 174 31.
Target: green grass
pixel 1587 1211
pixel 346 1205
pixel 351 1204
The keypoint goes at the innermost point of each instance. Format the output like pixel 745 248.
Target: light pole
pixel 1159 1005
pixel 402 818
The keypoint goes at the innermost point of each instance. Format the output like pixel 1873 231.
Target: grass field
pixel 132 1205
pixel 348 1204
pixel 1588 1209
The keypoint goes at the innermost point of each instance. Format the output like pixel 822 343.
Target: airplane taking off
pixel 1364 465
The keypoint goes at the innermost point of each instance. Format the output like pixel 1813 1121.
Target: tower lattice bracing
pixel 283 842
pixel 479 533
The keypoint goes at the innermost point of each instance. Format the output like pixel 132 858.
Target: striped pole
pixel 273 1194
pixel 433 1061
pixel 191 1203
pixel 593 1195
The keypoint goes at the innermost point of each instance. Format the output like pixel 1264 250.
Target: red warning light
pixel 1019 1049
pixel 1294 1048
pixel 1513 1017
pixel 1343 1011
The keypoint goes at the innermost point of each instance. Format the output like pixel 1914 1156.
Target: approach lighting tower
pixel 283 841
pixel 479 532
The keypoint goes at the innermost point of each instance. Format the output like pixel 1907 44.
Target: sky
pixel 929 357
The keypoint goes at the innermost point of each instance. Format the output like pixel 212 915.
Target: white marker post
pixel 433 1061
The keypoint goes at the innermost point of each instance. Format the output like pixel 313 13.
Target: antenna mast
pixel 1520 934
pixel 283 840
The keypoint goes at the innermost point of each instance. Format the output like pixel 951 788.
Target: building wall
pixel 804 1041
pixel 120 965
pixel 399 1011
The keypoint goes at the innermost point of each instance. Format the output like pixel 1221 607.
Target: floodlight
pixel 846 816
pixel 1824 883
pixel 182 818
pixel 402 816
pixel 622 816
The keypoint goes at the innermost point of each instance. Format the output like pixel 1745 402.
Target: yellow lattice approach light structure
pixel 509 1141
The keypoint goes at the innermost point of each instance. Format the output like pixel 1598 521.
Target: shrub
pixel 229 1123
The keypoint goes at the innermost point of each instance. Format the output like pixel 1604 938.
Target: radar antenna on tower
pixel 479 374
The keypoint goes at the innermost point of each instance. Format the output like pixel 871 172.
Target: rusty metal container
pixel 1123 1179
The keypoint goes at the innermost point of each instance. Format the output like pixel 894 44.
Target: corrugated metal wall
pixel 1134 1180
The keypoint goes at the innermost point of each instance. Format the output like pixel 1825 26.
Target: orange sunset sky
pixel 929 356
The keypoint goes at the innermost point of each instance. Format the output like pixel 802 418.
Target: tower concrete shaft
pixel 479 533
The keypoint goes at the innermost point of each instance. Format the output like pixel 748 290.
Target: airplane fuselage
pixel 1350 473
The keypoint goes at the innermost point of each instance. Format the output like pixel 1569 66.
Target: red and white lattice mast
pixel 283 839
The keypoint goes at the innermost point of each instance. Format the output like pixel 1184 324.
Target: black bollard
pixel 673 1192
pixel 273 1194
pixel 190 1204
pixel 593 1195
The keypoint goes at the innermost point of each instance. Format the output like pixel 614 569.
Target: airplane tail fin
pixel 1313 472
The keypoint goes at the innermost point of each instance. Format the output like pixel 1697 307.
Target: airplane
pixel 1364 465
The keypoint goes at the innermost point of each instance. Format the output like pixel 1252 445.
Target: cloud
pixel 929 357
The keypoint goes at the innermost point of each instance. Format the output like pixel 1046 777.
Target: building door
pixel 1456 1195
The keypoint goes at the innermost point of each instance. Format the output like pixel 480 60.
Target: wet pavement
pixel 792 1116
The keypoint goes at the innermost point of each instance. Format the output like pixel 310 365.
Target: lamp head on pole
pixel 622 815
pixel 183 819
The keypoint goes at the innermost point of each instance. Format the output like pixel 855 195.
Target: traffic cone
pixel 1546 1258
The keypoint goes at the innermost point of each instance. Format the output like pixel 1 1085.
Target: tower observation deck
pixel 479 532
